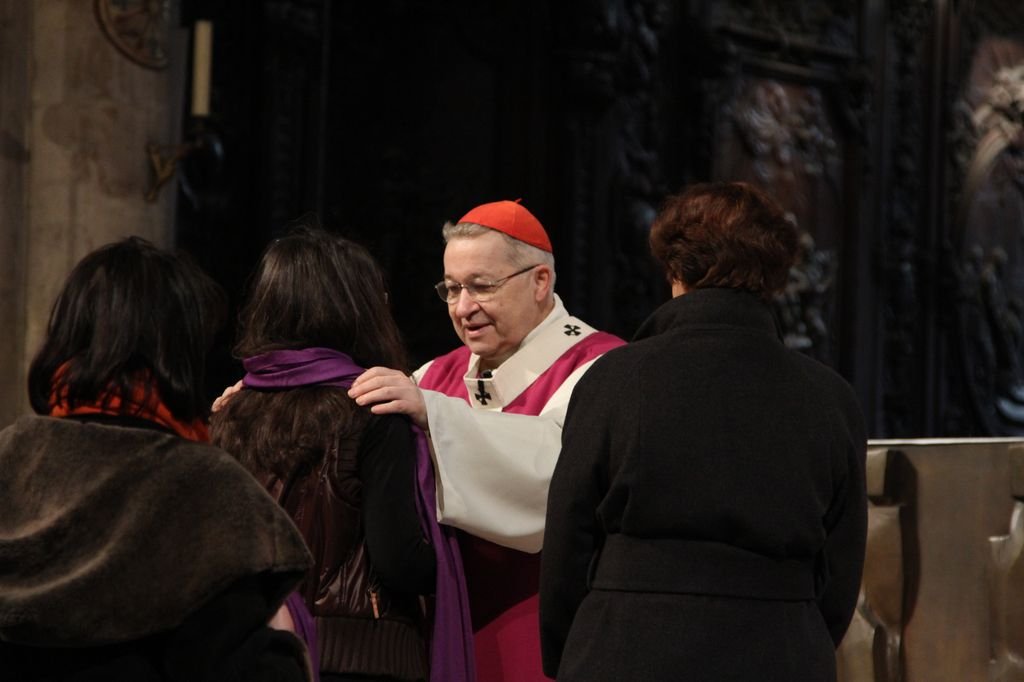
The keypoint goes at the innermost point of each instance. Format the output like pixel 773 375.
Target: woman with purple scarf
pixel 360 487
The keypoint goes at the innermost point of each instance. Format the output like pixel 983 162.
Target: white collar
pixel 557 333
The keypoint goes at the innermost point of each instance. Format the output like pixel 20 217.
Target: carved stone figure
pixel 801 306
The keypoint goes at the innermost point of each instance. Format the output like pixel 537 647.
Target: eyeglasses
pixel 480 291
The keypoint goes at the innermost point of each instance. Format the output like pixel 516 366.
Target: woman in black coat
pixel 707 516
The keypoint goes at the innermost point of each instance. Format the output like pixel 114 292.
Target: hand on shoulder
pixel 224 397
pixel 389 391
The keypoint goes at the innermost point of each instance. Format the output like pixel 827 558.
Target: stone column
pixel 75 118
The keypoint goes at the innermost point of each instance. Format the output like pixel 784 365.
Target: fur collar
pixel 110 534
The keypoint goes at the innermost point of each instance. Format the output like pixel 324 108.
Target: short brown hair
pixel 725 234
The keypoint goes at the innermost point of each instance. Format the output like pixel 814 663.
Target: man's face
pixel 493 329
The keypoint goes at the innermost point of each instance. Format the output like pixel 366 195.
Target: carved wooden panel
pixel 1007 581
pixel 871 649
pixel 905 236
pixel 941 614
pixel 986 198
pixel 610 143
pixel 783 105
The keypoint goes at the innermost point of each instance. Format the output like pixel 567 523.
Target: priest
pixel 494 409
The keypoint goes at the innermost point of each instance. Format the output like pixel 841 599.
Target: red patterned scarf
pixel 139 404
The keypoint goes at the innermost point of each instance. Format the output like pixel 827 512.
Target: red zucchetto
pixel 512 218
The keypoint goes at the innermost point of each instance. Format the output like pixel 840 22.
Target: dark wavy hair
pixel 310 289
pixel 126 309
pixel 730 235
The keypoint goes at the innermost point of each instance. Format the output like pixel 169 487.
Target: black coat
pixel 707 516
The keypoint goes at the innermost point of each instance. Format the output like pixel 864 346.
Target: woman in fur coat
pixel 130 549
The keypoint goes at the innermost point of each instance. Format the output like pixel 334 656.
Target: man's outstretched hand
pixel 389 391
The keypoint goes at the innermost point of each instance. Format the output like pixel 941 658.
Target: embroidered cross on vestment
pixel 482 395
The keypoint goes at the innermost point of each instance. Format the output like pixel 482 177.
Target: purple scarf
pixel 451 655
pixel 305 629
pixel 282 369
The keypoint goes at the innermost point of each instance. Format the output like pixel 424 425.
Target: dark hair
pixel 729 235
pixel 129 308
pixel 311 288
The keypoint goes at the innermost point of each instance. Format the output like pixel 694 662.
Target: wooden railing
pixel 943 592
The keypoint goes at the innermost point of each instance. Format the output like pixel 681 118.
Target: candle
pixel 202 55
